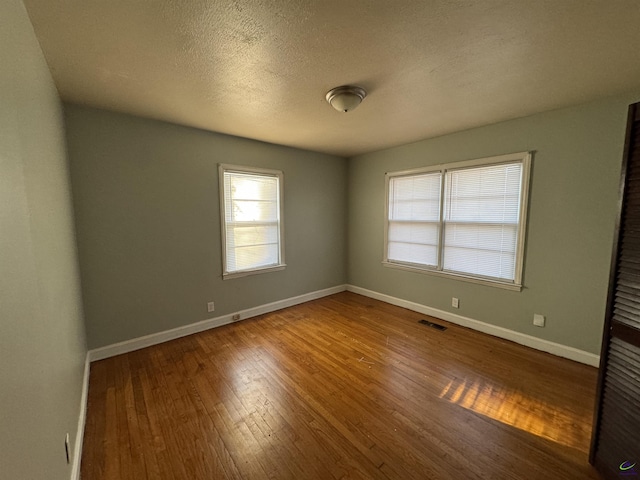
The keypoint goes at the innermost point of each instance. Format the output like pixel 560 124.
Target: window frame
pixel 225 167
pixel 520 157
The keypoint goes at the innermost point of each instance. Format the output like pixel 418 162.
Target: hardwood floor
pixel 344 387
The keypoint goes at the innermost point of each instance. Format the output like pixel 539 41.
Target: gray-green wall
pixel 147 212
pixel 42 347
pixel 572 209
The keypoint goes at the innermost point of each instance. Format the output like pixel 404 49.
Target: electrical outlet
pixel 66 448
pixel 455 303
pixel 236 317
pixel 538 320
pixel 211 307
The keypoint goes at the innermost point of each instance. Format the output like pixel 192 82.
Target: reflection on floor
pixel 519 410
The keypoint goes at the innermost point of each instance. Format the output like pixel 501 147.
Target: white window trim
pixel 225 167
pixel 516 285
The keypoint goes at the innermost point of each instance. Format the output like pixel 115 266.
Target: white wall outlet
pixel 455 303
pixel 210 307
pixel 538 320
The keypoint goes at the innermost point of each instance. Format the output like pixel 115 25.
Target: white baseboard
pixel 82 416
pixel 517 337
pixel 161 337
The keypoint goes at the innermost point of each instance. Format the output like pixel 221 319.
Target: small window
pixel 464 219
pixel 251 211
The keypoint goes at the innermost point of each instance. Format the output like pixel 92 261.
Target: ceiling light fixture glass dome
pixel 345 98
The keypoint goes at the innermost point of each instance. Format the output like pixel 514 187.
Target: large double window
pixel 251 209
pixel 463 219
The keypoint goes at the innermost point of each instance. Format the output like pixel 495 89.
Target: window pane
pixel 484 263
pixel 244 236
pixel 479 249
pixel 480 236
pixel 414 232
pixel 252 220
pixel 482 211
pixel 246 258
pixel 484 194
pixel 413 253
pixel 415 197
pixel 414 211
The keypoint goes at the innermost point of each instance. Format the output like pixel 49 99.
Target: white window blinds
pixel 414 219
pixel 251 205
pixel 481 219
pixel 464 219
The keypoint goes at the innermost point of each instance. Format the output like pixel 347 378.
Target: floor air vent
pixel 432 325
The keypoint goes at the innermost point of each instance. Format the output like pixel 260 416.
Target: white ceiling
pixel 260 68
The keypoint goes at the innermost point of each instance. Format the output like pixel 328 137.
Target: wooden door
pixel 615 446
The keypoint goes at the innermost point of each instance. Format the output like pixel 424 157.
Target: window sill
pixel 245 273
pixel 455 276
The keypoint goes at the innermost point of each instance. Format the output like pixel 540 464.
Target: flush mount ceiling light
pixel 345 98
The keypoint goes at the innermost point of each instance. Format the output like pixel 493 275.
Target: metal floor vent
pixel 432 325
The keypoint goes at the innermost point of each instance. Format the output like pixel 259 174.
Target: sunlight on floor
pixel 520 411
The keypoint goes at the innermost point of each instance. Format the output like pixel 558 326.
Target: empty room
pixel 319 240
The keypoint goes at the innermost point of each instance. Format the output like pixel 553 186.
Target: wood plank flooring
pixel 344 387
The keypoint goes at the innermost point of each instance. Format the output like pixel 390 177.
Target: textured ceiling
pixel 260 69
